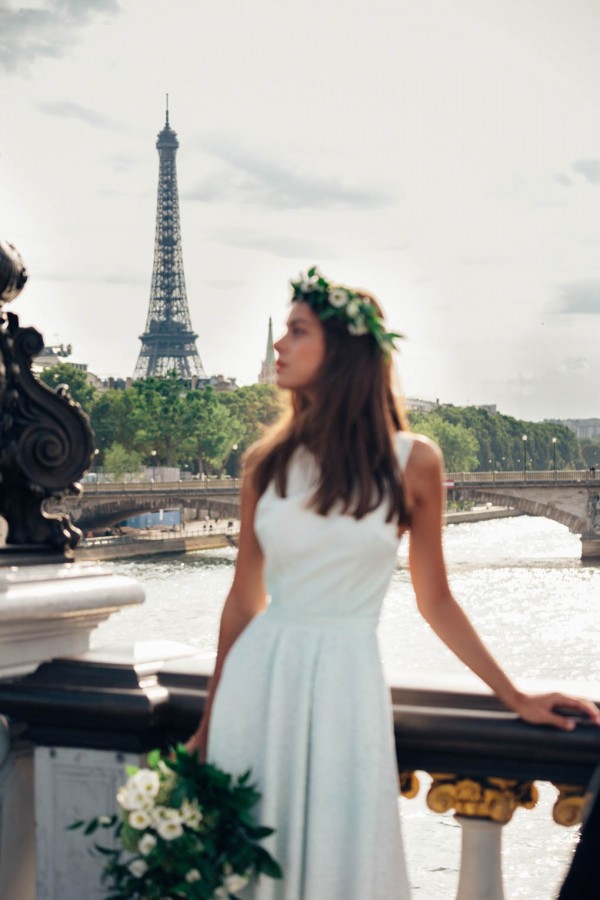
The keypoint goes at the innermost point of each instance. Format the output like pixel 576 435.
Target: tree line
pixel 159 421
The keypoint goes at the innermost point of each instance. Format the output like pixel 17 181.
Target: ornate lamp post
pixel 524 455
pixel 554 440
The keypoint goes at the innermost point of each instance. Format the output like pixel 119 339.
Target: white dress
pixel 302 701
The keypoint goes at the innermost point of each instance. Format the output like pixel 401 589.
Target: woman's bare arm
pixel 246 598
pixel 439 608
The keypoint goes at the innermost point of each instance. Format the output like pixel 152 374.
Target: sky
pixel 444 154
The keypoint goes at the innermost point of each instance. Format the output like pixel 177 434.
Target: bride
pixel 298 695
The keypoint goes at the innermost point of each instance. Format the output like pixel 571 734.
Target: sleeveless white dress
pixel 302 701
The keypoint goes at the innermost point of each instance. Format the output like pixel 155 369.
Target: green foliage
pixel 80 388
pixel 214 848
pixel 500 444
pixel 590 452
pixel 213 431
pixel 458 444
pixel 206 430
pixel 119 461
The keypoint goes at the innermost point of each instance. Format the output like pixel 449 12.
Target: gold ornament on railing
pixel 495 799
pixel 568 808
pixel 408 784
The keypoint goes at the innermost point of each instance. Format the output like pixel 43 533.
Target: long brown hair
pixel 348 423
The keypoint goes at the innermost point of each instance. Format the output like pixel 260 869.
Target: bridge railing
pixel 211 485
pixel 92 713
pixel 232 485
pixel 563 476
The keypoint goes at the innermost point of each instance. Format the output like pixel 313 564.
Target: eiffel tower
pixel 168 343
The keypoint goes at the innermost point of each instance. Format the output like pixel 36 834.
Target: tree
pixel 76 379
pixel 113 420
pixel 159 417
pixel 590 451
pixel 255 407
pixel 458 445
pixel 213 431
pixel 119 461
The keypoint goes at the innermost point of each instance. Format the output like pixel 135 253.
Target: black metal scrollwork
pixel 46 442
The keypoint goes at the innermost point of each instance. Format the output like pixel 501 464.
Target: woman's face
pixel 301 350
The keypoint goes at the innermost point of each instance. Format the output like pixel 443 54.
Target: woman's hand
pixel 198 741
pixel 554 709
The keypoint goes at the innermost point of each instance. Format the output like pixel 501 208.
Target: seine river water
pixel 533 601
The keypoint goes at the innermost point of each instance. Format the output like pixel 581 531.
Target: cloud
pixel 563 179
pixel 589 168
pixel 581 297
pixel 28 33
pixel 287 247
pixel 574 364
pixel 65 109
pixel 248 177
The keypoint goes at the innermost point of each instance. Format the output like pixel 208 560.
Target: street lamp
pixel 554 440
pixel 525 454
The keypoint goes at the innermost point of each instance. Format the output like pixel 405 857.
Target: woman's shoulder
pixel 424 454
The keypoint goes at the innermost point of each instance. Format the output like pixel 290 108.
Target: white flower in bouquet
pixel 170 829
pixel 129 800
pixel 190 813
pixel 162 814
pixel 180 797
pixel 193 875
pixel 138 868
pixel 146 844
pixel 235 883
pixel 139 819
pixel 145 782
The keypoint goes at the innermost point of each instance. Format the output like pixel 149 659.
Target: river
pixel 536 605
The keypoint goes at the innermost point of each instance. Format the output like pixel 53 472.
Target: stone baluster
pixel 483 806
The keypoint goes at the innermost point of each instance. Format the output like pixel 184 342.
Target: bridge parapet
pixel 569 497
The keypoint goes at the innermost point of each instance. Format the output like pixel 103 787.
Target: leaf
pixel 91 826
pixel 153 758
pixel 78 824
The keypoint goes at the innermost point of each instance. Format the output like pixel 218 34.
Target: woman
pixel 300 699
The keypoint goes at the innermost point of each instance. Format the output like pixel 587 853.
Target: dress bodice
pixel 325 567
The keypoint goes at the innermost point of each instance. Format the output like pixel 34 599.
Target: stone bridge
pixel 107 504
pixel 570 497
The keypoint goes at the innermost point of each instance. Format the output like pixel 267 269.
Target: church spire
pixel 268 372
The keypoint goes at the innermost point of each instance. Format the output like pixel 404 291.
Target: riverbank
pixel 173 543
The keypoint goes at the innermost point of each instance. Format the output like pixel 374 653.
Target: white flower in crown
pixel 138 868
pixel 192 876
pixel 146 844
pixel 338 297
pixel 139 819
pixel 308 283
pixel 353 309
pixel 170 829
pixel 358 327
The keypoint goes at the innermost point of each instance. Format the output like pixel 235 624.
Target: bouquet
pixel 185 831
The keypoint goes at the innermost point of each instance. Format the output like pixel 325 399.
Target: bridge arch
pixel 528 505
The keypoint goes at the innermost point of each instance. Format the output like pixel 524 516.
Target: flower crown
pixel 336 301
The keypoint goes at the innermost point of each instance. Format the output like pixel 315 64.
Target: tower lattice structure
pixel 168 343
